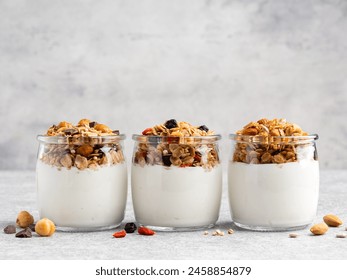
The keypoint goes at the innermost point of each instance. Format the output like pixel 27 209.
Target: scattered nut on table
pixel 24 219
pixel 319 229
pixel 332 220
pixel 45 227
pixel 218 233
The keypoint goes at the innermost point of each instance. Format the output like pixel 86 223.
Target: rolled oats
pixel 180 148
pixel 66 161
pixel 265 142
pixel 279 159
pixel 82 146
pixel 81 162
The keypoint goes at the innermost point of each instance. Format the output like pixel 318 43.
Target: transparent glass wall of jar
pixel 82 182
pixel 273 181
pixel 176 182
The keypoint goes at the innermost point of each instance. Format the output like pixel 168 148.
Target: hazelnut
pixel 64 124
pixel 84 150
pixel 103 128
pixel 84 122
pixel 45 227
pixel 24 219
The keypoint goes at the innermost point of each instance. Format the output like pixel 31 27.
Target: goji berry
pixel 145 231
pixel 120 234
pixel 145 132
pixel 172 140
pixel 197 158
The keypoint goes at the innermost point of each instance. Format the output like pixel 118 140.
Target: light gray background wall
pixel 132 64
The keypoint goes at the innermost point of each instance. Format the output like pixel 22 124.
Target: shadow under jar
pixel 273 182
pixel 82 182
pixel 176 182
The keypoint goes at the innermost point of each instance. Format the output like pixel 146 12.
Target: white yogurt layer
pixel 176 197
pixel 82 199
pixel 274 195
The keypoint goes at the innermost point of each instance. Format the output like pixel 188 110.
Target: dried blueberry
pixel 203 127
pixel 166 160
pixel 10 229
pixel 171 124
pixel 26 233
pixel 130 227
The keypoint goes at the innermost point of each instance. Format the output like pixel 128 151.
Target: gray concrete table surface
pixel 18 192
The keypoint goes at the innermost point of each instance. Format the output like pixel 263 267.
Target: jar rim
pixel 275 139
pixel 178 139
pixel 65 139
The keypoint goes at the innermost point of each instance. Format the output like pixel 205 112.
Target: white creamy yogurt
pixel 176 197
pixel 272 196
pixel 82 198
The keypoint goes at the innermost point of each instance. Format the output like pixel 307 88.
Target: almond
pixel 332 220
pixel 319 229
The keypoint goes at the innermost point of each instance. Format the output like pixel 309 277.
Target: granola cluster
pixel 268 142
pixel 84 128
pixel 177 129
pixel 173 149
pixel 82 146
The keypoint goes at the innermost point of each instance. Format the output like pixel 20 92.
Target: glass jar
pixel 176 182
pixel 273 182
pixel 82 182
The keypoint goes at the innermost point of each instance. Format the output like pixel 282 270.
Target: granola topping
pixel 180 129
pixel 82 146
pixel 271 142
pixel 176 144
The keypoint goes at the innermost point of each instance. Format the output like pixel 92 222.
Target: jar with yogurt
pixel 176 177
pixel 81 176
pixel 273 176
